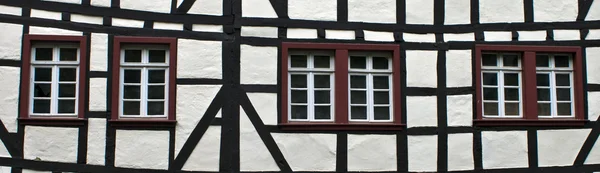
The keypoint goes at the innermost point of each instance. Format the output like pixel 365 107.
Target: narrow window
pixel 501 84
pixel 370 76
pixel 554 85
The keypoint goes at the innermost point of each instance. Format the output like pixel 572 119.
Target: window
pixel 340 86
pixel 529 85
pixel 53 80
pixel 143 73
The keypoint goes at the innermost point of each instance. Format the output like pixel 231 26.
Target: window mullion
pixel 144 87
pixel 501 94
pixel 311 94
pixel 553 96
pixel 54 85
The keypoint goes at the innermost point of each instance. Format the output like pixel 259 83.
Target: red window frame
pixel 530 116
pixel 118 41
pixel 24 117
pixel 341 121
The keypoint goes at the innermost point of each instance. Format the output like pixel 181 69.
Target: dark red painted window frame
pixel 341 121
pixel 530 117
pixel 24 117
pixel 170 120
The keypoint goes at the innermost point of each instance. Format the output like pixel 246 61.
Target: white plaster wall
pixel 35 171
pixel 457 12
pixel 593 63
pixel 422 153
pixel 313 9
pixel 66 1
pixel 86 19
pixel 10 44
pixel 421 111
pixel 127 23
pixel 560 34
pixel 308 152
pixel 594 13
pixel 157 6
pixel 593 34
pixel 266 106
pixel 97 94
pixel 258 8
pixel 51 144
pixel 419 11
pixel 459 37
pixel 409 37
pixel 209 7
pixel 52 31
pixel 593 102
pixel 302 33
pixel 421 68
pixel 35 13
pixel 554 10
pixel 460 152
pixel 101 3
pixel 3 151
pixel 254 155
pixel 142 149
pixel 460 110
pixel 594 156
pixel 199 59
pixel 259 31
pixel 532 35
pixel 560 147
pixel 372 152
pixel 258 65
pixel 339 34
pixel 168 26
pixel 9 100
pixel 207 28
pixel 504 149
pixel 494 11
pixel 10 10
pixel 363 11
pixel 96 141
pixel 458 68
pixel 378 36
pixel 497 36
pixel 6 169
pixel 99 52
pixel 205 156
pixel 192 102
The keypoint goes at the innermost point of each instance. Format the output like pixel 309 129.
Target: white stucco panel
pixel 52 31
pixel 460 110
pixel 66 1
pixel 4 169
pixel 51 144
pixel 494 11
pixel 192 102
pixel 35 13
pixel 209 7
pixel 421 68
pixel 594 156
pixel 379 36
pixel 205 156
pixel 363 11
pixel 594 13
pixel 101 3
pixel 497 36
pixel 99 52
pixel 419 12
pixel 127 23
pixel 259 31
pixel 97 94
pixel 142 149
pixel 372 152
pixel 258 8
pixel 339 34
pixel 3 151
pixel 459 37
pixel 254 155
pixel 199 59
pixel 258 65
pixel 96 141
pixel 98 20
pixel 560 147
pixel 302 33
pixel 457 12
pixel 560 34
pixel 460 152
pixel 532 35
pixel 157 6
pixel 313 9
pixel 409 37
pixel 593 34
pixel 207 28
pixel 592 62
pixel 9 100
pixel 421 111
pixel 422 153
pixel 35 171
pixel 593 105
pixel 504 149
pixel 308 152
pixel 458 68
pixel 10 10
pixel 168 26
pixel 266 106
pixel 554 11
pixel 10 44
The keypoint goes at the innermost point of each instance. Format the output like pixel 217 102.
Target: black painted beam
pixel 584 9
pixel 281 8
pixel 185 6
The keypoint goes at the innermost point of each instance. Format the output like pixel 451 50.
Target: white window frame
pixel 553 70
pixel 500 70
pixel 369 72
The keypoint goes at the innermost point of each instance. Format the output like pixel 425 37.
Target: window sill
pixel 524 122
pixel 344 127
pixel 130 122
pixel 53 121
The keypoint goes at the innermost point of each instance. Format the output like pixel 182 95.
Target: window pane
pixel 510 60
pixel 66 106
pixel 511 94
pixel 543 79
pixel 358 97
pixel 132 76
pixel 563 94
pixel 380 63
pixel 157 56
pixel 298 81
pixel 564 108
pixel 299 96
pixel 133 55
pixel 490 108
pixel 489 60
pixel 382 113
pixel 381 97
pixel 511 109
pixel 322 97
pixel 42 90
pixel 66 90
pixel 490 94
pixel 561 61
pixel 381 82
pixel 156 76
pixel 543 94
pixel 43 74
pixel 358 62
pixel 131 92
pixel 322 112
pixel 358 112
pixel 131 108
pixel 41 106
pixel 358 81
pixel 511 79
pixel 298 61
pixel 490 79
pixel 322 81
pixel 156 108
pixel 321 61
pixel 156 92
pixel 563 80
pixel 67 74
pixel 68 54
pixel 299 112
pixel 543 109
pixel 542 61
pixel 43 54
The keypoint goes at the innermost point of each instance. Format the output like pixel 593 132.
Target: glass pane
pixel 380 63
pixel 358 81
pixel 358 97
pixel 156 92
pixel 42 90
pixel 299 112
pixel 490 94
pixel 490 79
pixel 133 55
pixel 66 106
pixel 67 74
pixel 66 90
pixel 322 97
pixel 510 60
pixel 563 80
pixel 542 61
pixel 543 109
pixel 381 97
pixel 156 76
pixel 511 94
pixel 322 112
pixel 131 92
pixel 68 54
pixel 322 81
pixel 381 82
pixel 43 54
pixel 321 61
pixel 131 108
pixel 543 79
pixel 490 109
pixel 489 60
pixel 298 61
pixel 511 79
pixel 157 56
pixel 358 62
pixel 299 96
pixel 358 112
pixel 156 108
pixel 41 106
pixel 564 108
pixel 298 81
pixel 563 94
pixel 561 61
pixel 543 94
pixel 132 76
pixel 382 113
pixel 43 74
pixel 511 109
